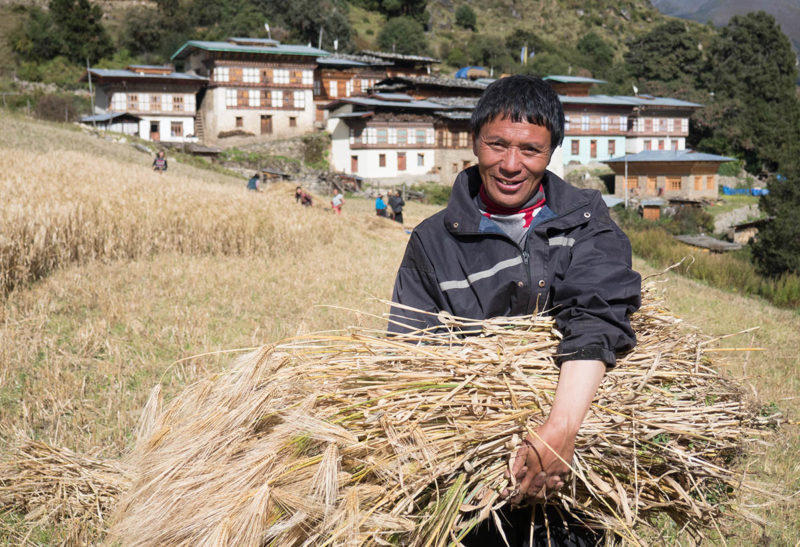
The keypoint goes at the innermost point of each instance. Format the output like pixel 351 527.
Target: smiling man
pixel 516 239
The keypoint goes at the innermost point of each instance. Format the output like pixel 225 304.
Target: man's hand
pixel 541 465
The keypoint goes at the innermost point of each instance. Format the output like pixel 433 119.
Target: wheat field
pixel 116 279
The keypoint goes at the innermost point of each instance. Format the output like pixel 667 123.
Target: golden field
pixel 121 278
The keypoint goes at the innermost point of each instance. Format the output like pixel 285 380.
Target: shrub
pixel 465 17
pixel 435 193
pixel 58 108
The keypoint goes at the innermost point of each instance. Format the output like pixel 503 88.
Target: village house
pixel 600 127
pixel 152 102
pixel 257 87
pixel 424 87
pixel 345 75
pixel 667 174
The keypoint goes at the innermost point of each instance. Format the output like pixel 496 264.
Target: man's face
pixel 512 158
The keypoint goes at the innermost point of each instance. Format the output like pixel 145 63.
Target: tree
pixel 776 249
pixel 668 53
pixel 752 77
pixel 35 39
pixel 79 30
pixel 598 55
pixel 465 17
pixel 488 51
pixel 410 8
pixel 304 18
pixel 403 35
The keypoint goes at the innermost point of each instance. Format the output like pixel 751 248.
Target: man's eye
pixel 496 145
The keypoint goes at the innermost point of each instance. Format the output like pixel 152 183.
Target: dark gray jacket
pixel 575 266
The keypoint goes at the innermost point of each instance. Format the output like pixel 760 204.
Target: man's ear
pixel 475 144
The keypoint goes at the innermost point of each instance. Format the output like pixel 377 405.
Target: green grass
pixel 729 203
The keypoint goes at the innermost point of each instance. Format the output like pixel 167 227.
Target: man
pixel 396 202
pixel 254 183
pixel 516 239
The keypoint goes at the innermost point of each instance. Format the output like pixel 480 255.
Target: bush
pixel 58 108
pixel 435 193
pixel 465 17
pixel 316 150
pixel 731 168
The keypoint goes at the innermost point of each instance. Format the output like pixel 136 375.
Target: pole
pixel 91 93
pixel 625 184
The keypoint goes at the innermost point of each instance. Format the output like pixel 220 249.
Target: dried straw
pixel 359 439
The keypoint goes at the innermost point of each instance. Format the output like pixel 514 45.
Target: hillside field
pixel 123 278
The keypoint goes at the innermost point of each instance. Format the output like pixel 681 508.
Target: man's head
pixel 516 125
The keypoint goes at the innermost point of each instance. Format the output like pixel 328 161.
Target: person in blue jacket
pixel 254 183
pixel 516 239
pixel 380 206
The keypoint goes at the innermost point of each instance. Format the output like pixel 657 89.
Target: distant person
pixel 337 201
pixel 396 202
pixel 302 197
pixel 254 183
pixel 380 206
pixel 160 163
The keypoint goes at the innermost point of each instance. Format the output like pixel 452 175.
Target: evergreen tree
pixel 776 249
pixel 79 30
pixel 465 17
pixel 403 35
pixel 598 55
pixel 35 39
pixel 669 53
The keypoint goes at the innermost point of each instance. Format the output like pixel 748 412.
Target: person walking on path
pixel 396 202
pixel 337 201
pixel 516 239
pixel 160 162
pixel 380 206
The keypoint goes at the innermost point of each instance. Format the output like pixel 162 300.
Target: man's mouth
pixel 508 185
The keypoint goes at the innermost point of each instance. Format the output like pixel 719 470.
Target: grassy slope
pixel 80 349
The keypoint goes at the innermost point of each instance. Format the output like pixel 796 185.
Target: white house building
pixel 163 100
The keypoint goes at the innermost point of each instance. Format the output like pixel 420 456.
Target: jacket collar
pixel 563 201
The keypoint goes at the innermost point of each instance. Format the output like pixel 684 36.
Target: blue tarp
pixel 463 72
pixel 728 191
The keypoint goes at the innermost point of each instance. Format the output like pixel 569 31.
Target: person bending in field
pixel 337 201
pixel 516 239
pixel 160 162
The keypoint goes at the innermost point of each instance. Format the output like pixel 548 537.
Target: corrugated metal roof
pixel 353 115
pixel 371 102
pixel 108 117
pixel 279 49
pixel 400 57
pixel 573 79
pixel 120 73
pixel 346 59
pixel 623 100
pixel 668 155
pixel 457 115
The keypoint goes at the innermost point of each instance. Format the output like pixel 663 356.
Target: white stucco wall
pixel 165 128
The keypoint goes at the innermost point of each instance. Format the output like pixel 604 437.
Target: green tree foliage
pixel 409 8
pixel 35 39
pixel 403 35
pixel 776 249
pixel 489 51
pixel 754 111
pixel 598 55
pixel 668 53
pixel 304 18
pixel 79 30
pixel 465 17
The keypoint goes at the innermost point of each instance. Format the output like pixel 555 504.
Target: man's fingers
pixel 552 481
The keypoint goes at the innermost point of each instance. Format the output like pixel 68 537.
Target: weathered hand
pixel 540 470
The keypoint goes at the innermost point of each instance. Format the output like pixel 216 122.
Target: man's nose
pixel 511 159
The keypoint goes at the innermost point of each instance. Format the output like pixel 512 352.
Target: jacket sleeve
pixel 415 287
pixel 599 292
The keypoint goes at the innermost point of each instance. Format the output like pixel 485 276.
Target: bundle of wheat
pixel 361 439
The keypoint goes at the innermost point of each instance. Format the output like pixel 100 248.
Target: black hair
pixel 521 98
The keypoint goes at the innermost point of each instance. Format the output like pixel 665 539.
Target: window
pixel 463 139
pixel 280 76
pixel 593 148
pixel 710 182
pixel 308 77
pixel 421 160
pixel 133 101
pixel 612 148
pixel 250 75
pixel 661 144
pixel 189 103
pixel 402 136
pixel 381 160
pixel 383 136
pixel 166 103
pixel 675 145
pixel 576 147
pixel 584 123
pixel 633 182
pixel 392 135
pixel 465 164
pixel 299 100
pixel 566 123
pixel 118 102
pixel 640 125
pixel 177 103
pixel 155 103
pixel 648 145
pixel 698 182
pixel 674 183
pixel 292 121
pixel 652 182
pixel 253 98
pixel 623 123
pixel 662 125
pixel 430 136
pixel 684 125
pixel 455 167
pixel 221 74
pixel 144 102
pixel 317 87
pixel 176 129
pixel 333 85
pixel 239 121
pixel 604 123
pixel 348 88
pixel 419 136
pixel 277 99
pixel 364 86
pixel 648 125
pixel 670 125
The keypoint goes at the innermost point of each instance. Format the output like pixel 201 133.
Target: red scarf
pixel 527 212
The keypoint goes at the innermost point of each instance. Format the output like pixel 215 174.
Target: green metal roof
pixel 279 49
